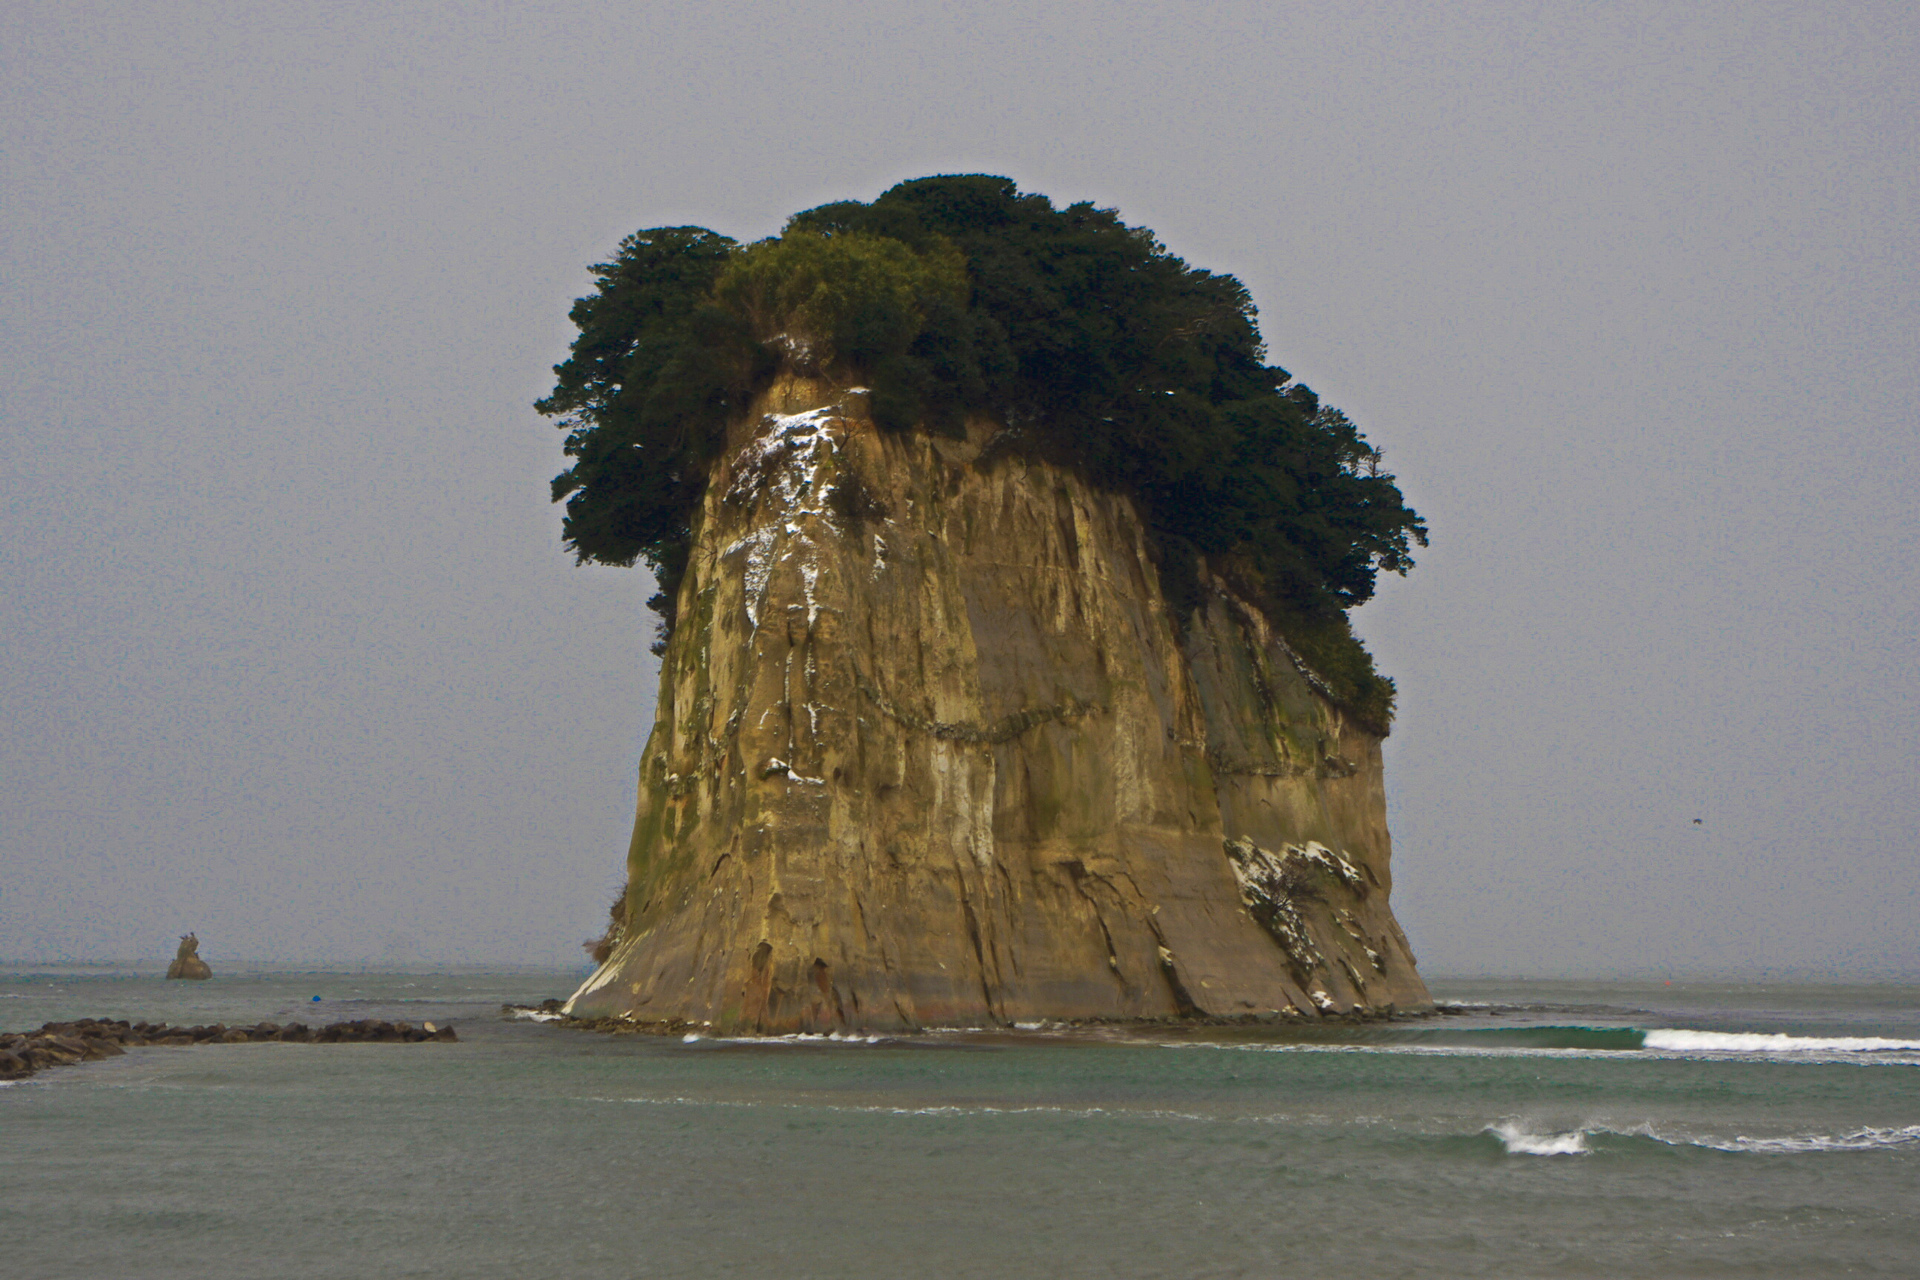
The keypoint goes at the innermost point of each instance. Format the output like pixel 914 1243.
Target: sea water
pixel 1542 1129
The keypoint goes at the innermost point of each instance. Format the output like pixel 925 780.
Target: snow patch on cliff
pixel 759 567
pixel 1271 880
pixel 787 460
pixel 789 466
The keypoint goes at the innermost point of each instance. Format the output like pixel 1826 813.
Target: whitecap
pixel 1674 1041
pixel 1409 1050
pixel 536 1015
pixel 1521 1142
pixel 1798 1144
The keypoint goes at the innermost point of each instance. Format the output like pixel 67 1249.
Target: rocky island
pixel 986 697
pixel 187 962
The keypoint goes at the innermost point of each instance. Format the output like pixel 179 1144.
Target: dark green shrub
pixel 955 295
pixel 849 300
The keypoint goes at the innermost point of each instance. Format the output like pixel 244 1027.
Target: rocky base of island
pixel 61 1044
pixel 552 1012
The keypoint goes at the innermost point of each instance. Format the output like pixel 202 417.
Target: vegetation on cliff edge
pixel 949 296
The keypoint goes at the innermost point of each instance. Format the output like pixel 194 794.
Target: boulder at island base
pixel 930 750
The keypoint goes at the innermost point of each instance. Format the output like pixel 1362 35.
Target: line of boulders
pixel 60 1044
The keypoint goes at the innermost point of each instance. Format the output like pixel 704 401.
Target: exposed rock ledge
pixel 930 751
pixel 62 1044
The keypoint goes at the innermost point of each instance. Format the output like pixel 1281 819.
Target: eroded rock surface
pixel 930 751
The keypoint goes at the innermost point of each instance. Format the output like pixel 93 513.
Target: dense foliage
pixel 950 296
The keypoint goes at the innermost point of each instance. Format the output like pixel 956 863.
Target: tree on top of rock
pixel 962 295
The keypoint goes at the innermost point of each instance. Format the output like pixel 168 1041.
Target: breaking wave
pixel 1757 1042
pixel 1858 1140
pixel 1585 1042
pixel 1514 1137
pixel 520 1013
pixel 1519 1140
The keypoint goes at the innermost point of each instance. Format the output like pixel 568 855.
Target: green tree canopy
pixel 1092 344
pixel 847 299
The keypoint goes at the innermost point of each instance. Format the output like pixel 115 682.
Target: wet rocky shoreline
pixel 60 1044
pixel 550 1013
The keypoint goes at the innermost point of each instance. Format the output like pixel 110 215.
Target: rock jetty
pixel 60 1044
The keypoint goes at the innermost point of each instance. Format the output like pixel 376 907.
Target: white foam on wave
pixel 1858 1140
pixel 1762 1042
pixel 1517 1137
pixel 1409 1050
pixel 1521 1142
pixel 792 1038
pixel 536 1015
pixel 1657 1045
pixel 936 1110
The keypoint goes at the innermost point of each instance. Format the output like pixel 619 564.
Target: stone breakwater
pixel 61 1044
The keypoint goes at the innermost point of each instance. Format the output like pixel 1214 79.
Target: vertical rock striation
pixel 931 751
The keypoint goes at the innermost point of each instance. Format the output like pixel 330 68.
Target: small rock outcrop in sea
pixel 187 962
pixel 931 749
pixel 59 1044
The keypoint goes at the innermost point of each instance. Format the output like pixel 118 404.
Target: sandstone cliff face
pixel 930 752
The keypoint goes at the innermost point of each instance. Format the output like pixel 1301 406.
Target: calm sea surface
pixel 1551 1129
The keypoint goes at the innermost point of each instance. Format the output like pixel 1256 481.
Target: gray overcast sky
pixel 1626 292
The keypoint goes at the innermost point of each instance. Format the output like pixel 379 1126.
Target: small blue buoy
pixel 316 999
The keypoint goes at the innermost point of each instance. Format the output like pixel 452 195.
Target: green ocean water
pixel 1545 1129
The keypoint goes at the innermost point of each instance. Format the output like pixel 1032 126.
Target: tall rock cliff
pixel 931 751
